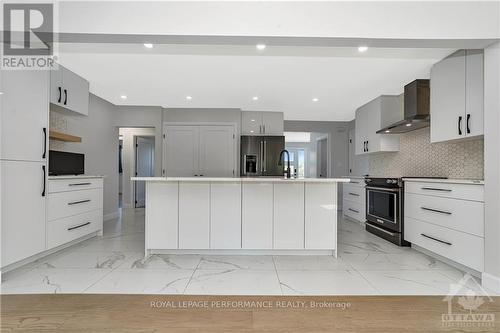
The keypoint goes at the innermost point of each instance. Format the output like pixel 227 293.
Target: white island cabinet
pixel 241 215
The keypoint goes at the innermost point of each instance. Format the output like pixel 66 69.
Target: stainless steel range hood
pixel 416 109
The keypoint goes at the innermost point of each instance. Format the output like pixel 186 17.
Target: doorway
pixel 144 166
pixel 309 154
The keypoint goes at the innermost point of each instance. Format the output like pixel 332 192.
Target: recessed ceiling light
pixel 148 45
pixel 388 131
pixel 255 98
pixel 260 47
pixel 1 92
pixel 408 125
pixel 315 99
pixel 252 119
pixel 362 48
pixel 189 98
pixel 251 131
pixel 123 96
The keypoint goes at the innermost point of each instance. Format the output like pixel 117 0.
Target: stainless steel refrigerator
pixel 260 155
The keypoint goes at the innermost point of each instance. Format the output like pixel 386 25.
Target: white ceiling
pixel 284 78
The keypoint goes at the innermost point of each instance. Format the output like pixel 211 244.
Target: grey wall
pixel 491 278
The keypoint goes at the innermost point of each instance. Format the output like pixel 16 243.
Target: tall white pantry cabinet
pixel 23 163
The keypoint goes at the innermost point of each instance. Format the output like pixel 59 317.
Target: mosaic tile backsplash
pixel 419 158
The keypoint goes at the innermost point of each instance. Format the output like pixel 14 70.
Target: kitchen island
pixel 241 215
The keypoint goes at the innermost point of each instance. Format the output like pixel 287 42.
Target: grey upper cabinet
pixel 373 116
pixel 261 123
pixel 69 91
pixel 457 96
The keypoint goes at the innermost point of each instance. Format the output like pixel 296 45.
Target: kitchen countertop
pixel 242 179
pixel 445 181
pixel 76 177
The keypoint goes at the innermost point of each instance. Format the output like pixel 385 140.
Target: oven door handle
pixel 380 229
pixel 383 189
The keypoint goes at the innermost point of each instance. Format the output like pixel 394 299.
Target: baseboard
pixel 491 282
pixel 111 216
pixel 128 205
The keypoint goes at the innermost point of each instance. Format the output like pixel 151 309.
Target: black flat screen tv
pixel 65 163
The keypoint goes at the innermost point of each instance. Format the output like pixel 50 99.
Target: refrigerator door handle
pixel 261 157
pixel 265 156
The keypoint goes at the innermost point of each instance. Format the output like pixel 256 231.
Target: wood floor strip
pixel 135 313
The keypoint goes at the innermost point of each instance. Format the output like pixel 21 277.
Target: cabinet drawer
pixel 463 248
pixel 62 185
pixel 67 229
pixel 354 211
pixel 473 192
pixel 354 194
pixel 461 215
pixel 65 204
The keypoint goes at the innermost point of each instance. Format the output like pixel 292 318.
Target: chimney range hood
pixel 416 109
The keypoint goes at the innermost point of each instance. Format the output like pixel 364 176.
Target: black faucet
pixel 288 171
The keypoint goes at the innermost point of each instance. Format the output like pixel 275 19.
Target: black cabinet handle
pixel 459 125
pixel 435 239
pixel 79 184
pixel 354 210
pixel 78 202
pixel 78 226
pixel 436 189
pixel 436 210
pixel 43 191
pixel 65 97
pixel 468 121
pixel 364 146
pixel 44 142
pixel 354 194
pixel 60 95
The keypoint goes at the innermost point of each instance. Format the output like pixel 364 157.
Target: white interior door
pixel 181 150
pixel 217 151
pixel 144 166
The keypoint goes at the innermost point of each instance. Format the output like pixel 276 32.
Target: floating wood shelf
pixel 54 135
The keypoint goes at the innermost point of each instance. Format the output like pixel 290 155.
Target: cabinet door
pixel 194 215
pixel 372 116
pixel 448 98
pixel 162 215
pixel 251 123
pixel 257 216
pixel 474 90
pixel 361 131
pixel 75 92
pixel 23 209
pixel 225 215
pixel 289 216
pixel 217 151
pixel 272 123
pixel 24 115
pixel 56 86
pixel 181 151
pixel 320 216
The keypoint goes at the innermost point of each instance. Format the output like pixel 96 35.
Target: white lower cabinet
pixel 289 216
pixel 162 215
pixel 465 249
pixel 74 209
pixel 354 200
pixel 225 216
pixel 23 210
pixel 194 215
pixel 257 215
pixel 447 219
pixel 320 213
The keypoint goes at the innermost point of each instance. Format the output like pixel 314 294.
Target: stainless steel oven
pixel 384 206
pixel 384 209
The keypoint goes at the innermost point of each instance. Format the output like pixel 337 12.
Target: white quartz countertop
pixel 76 176
pixel 445 181
pixel 242 179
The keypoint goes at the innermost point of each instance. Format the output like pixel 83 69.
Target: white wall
pixel 128 186
pixel 491 278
